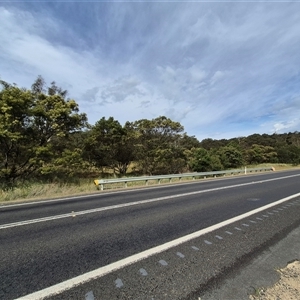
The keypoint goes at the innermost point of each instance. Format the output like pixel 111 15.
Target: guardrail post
pixel 100 183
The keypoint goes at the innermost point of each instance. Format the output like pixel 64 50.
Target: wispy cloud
pixel 221 69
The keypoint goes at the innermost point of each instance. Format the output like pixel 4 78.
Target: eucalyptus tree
pixel 109 145
pixel 29 120
pixel 158 148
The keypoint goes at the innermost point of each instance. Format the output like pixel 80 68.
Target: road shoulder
pixel 260 273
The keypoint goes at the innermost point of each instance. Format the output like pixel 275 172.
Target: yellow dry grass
pixel 38 191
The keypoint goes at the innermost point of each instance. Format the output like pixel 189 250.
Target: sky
pixel 222 69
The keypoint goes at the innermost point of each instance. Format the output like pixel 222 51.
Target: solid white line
pixel 103 194
pixel 84 212
pixel 68 284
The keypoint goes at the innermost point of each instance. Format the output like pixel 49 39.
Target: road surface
pixel 44 244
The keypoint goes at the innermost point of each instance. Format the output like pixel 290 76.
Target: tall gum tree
pixel 29 119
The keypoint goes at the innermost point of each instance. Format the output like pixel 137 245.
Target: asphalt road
pixel 98 230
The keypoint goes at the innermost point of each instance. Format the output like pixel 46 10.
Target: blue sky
pixel 221 69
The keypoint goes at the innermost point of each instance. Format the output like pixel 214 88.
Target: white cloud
pixel 219 68
pixel 121 90
pixel 291 125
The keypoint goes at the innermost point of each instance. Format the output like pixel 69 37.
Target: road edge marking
pixel 128 204
pixel 100 272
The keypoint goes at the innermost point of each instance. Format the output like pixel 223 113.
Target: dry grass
pixel 46 191
pixel 38 191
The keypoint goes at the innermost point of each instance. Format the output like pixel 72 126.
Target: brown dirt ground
pixel 288 287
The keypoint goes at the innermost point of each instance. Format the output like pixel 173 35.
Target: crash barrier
pixel 101 182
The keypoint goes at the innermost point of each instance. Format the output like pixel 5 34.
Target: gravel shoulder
pixel 288 286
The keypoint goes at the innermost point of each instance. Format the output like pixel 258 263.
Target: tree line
pixel 44 137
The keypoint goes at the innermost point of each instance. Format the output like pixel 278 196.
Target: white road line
pixel 89 296
pixel 180 254
pixel 69 284
pixel 133 190
pixel 143 272
pixel 119 283
pixel 163 262
pixel 228 232
pixel 84 212
pixel 207 242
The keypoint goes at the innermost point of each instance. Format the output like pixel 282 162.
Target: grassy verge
pixel 36 191
pixel 46 191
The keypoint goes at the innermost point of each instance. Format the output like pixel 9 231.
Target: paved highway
pixel 49 242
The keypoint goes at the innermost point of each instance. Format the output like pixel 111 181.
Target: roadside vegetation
pixel 48 148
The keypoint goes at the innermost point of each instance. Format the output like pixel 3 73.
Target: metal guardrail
pixel 125 180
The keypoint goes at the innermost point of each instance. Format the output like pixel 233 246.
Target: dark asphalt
pixel 33 210
pixel 40 255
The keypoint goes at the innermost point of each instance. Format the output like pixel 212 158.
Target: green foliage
pixel 29 120
pixel 158 149
pixel 258 154
pixel 231 157
pixel 202 160
pixel 42 138
pixel 289 154
pixel 109 144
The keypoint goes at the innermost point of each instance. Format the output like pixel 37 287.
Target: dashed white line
pixel 259 219
pixel 252 221
pixel 163 262
pixel 207 242
pixel 237 228
pixel 195 248
pixel 228 232
pixel 119 283
pixel 70 283
pixel 180 254
pixel 219 237
pixel 143 272
pixel 51 218
pixel 89 295
pixel 246 225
